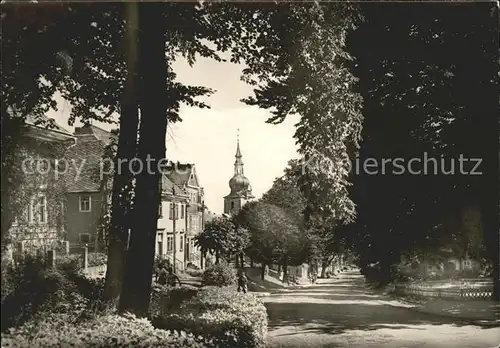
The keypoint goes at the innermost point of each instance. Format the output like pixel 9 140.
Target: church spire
pixel 238 152
pixel 238 164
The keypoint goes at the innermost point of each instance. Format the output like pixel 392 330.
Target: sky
pixel 207 137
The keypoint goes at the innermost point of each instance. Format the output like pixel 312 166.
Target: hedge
pixel 225 317
pixel 219 275
pixel 166 299
pixel 105 331
pixel 29 288
pixel 93 259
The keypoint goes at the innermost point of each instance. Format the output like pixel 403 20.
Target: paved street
pixel 343 313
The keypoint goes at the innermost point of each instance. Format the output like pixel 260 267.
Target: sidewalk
pixel 484 312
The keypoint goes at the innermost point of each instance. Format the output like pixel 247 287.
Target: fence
pixel 480 290
pixel 95 271
pixel 52 254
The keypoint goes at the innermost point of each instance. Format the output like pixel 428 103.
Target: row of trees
pixel 279 229
pixel 429 86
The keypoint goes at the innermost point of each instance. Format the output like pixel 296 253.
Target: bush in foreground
pixel 219 275
pixel 225 317
pixel 32 289
pixel 166 299
pixel 101 332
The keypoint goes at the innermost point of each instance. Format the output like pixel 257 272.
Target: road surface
pixel 343 313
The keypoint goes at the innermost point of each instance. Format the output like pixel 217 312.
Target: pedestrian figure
pixel 172 278
pixel 242 282
pixel 162 276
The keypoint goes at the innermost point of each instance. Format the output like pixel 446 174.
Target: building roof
pixel 103 135
pixel 46 122
pixel 182 174
pixel 167 185
pixel 85 158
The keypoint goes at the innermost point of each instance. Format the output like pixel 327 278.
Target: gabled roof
pixel 46 129
pixel 182 174
pixel 167 185
pixel 98 133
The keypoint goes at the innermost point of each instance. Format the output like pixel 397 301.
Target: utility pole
pixel 202 228
pixel 174 217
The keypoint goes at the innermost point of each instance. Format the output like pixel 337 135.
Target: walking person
pixel 242 282
pixel 162 276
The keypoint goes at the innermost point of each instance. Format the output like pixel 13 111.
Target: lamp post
pixel 202 228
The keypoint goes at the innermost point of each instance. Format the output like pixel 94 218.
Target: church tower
pixel 241 191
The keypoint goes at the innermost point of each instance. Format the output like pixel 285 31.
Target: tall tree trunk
pixel 136 290
pixel 325 263
pixel 324 266
pixel 122 177
pixel 263 270
pixel 242 259
pixel 217 257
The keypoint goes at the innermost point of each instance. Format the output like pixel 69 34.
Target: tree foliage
pixel 222 238
pixel 274 233
pixel 304 69
pixel 421 95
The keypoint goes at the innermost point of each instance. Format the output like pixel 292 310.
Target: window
pixel 232 205
pixel 181 246
pixel 160 210
pixel 170 244
pixel 171 211
pixel 177 206
pixel 41 209
pixel 85 203
pixel 84 238
pixel 160 243
pixel 182 211
pixel 30 212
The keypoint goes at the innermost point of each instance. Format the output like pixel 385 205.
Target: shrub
pixel 165 299
pixel 97 259
pixel 159 263
pixel 76 260
pixel 35 289
pixel 104 331
pixel 225 317
pixel 69 263
pixel 219 275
